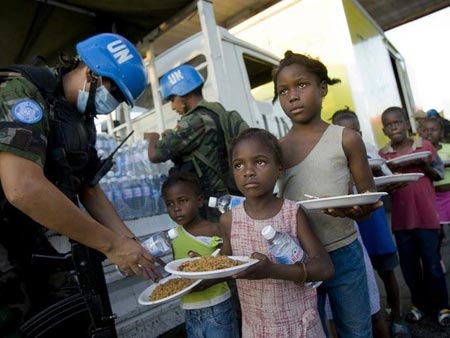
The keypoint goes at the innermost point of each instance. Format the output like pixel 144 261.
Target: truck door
pixel 256 72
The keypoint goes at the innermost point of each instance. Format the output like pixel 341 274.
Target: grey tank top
pixel 324 172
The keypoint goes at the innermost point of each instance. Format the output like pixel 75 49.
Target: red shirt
pixel 413 206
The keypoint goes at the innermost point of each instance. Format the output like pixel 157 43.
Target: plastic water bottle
pixel 155 184
pixel 127 197
pixel 161 203
pixel 285 248
pixel 117 198
pixel 225 202
pixel 110 143
pixel 132 196
pixel 141 158
pixel 160 243
pixel 120 166
pixel 147 208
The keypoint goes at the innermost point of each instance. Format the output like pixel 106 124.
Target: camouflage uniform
pixel 25 131
pixel 196 131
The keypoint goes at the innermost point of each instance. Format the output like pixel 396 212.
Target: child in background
pixel 323 160
pixel 377 238
pixel 436 163
pixel 415 223
pixel 433 131
pixel 274 299
pixel 210 312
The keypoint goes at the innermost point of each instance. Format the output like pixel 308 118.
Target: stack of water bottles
pixel 133 184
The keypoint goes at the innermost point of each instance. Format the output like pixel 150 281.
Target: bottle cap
pixel 212 202
pixel 268 232
pixel 173 233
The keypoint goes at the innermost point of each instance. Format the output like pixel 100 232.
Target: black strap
pixel 90 110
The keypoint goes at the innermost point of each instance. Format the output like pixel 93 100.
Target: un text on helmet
pixel 175 77
pixel 120 51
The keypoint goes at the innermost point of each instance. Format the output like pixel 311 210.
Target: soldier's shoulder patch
pixel 27 111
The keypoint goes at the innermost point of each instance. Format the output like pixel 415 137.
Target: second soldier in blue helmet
pixel 196 143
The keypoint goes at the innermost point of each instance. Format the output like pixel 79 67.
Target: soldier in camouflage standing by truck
pixel 198 143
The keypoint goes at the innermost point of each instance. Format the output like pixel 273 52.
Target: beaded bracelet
pixel 303 274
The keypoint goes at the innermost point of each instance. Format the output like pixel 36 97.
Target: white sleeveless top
pixel 324 172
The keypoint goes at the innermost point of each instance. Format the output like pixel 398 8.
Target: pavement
pixel 428 327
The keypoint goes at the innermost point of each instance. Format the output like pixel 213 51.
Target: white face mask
pixel 105 103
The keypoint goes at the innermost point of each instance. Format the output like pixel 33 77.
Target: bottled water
pixel 117 199
pixel 132 197
pixel 136 188
pixel 129 159
pixel 105 144
pixel 148 205
pixel 138 201
pixel 161 203
pixel 120 166
pixel 155 183
pixel 225 202
pixel 160 243
pixel 111 143
pixel 286 249
pixel 141 158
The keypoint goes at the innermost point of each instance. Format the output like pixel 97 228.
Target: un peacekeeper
pixel 47 159
pixel 193 145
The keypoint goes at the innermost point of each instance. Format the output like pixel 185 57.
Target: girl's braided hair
pixel 312 65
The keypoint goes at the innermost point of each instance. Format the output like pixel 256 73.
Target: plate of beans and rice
pixel 208 267
pixel 169 288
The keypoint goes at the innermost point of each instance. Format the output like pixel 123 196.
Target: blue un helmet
pixel 180 81
pixel 432 112
pixel 114 57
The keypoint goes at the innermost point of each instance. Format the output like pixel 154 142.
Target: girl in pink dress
pixel 274 299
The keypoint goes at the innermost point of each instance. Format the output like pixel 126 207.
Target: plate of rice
pixel 208 267
pixel 169 288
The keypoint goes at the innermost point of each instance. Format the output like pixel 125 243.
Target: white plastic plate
pixel 409 157
pixel 144 298
pixel 172 267
pixel 397 178
pixel 376 162
pixel 342 201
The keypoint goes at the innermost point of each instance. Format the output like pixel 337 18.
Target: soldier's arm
pixel 152 138
pixel 101 209
pixel 182 140
pixel 27 189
